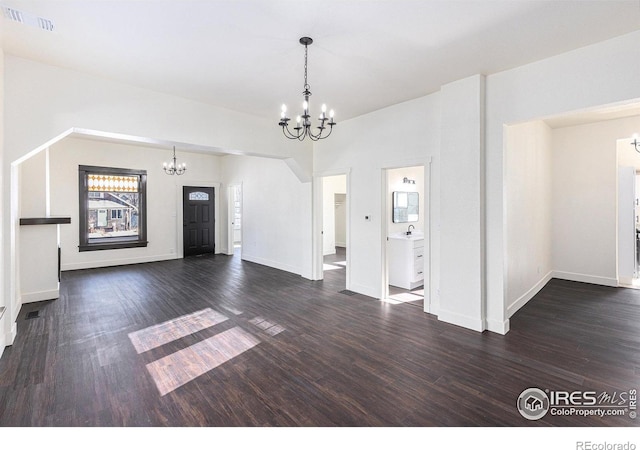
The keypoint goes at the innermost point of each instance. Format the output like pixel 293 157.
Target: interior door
pixel 198 220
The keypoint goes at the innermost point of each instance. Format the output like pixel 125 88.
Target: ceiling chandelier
pixel 173 168
pixel 303 121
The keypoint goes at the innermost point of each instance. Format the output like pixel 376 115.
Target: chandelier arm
pixel 299 135
pixel 304 134
pixel 328 134
pixel 318 136
pixel 315 137
pixel 287 133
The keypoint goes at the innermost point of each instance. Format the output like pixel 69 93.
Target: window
pixel 199 196
pixel 112 208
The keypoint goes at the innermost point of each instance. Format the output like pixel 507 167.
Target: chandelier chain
pixel 306 84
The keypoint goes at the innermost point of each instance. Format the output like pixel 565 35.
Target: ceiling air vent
pixel 28 19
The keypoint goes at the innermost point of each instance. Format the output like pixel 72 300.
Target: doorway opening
pixel 628 215
pixel 405 228
pixel 198 220
pixel 636 208
pixel 234 213
pixel 334 230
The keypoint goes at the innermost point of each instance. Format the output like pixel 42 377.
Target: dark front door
pixel 198 220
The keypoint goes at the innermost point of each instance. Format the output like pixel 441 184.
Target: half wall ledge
pixel 45 220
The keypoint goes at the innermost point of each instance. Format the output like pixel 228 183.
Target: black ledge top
pixel 45 220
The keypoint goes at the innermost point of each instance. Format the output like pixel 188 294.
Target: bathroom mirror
pixel 405 207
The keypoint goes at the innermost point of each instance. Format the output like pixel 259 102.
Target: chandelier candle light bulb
pixel 303 122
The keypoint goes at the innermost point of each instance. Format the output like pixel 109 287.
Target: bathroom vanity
pixel 406 260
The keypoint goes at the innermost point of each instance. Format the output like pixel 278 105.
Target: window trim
pixel 110 243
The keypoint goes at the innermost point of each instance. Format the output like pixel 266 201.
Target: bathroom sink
pixel 404 235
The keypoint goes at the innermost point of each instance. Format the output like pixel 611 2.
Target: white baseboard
pixel 569 276
pixel 524 298
pixel 625 281
pixel 269 263
pixel 341 244
pixel 117 262
pixel 31 297
pixel 6 339
pixel 498 326
pixel 13 333
pixel 472 323
pixel 431 306
pixel 364 290
pixel 329 252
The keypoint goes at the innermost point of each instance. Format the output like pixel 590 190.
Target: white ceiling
pixel 244 54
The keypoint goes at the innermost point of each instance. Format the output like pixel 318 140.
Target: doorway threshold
pixel 635 284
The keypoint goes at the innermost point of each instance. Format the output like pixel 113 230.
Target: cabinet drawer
pixel 418 263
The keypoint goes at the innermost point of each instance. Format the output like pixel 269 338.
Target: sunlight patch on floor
pixel 171 330
pixel 330 267
pixel 268 327
pixel 404 297
pixel 179 368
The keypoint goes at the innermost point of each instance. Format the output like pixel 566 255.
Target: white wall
pixel 332 185
pixel 276 212
pixel 627 154
pixel 462 256
pixel 5 321
pixel 38 245
pixel 402 135
pixel 629 157
pixel 33 178
pixel 601 74
pixel 43 102
pixel 340 220
pixel 626 236
pixel 395 183
pixel 164 197
pixel 585 161
pixel 528 186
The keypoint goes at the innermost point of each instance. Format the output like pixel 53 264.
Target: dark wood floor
pixel 285 351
